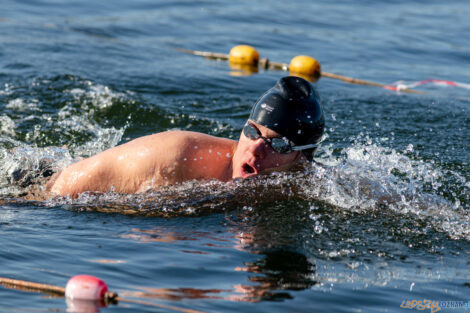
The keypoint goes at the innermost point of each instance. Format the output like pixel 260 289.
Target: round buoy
pixel 85 287
pixel 305 67
pixel 244 55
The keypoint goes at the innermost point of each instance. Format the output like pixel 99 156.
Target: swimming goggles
pixel 280 145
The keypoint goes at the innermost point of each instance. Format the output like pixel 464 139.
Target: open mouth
pixel 248 169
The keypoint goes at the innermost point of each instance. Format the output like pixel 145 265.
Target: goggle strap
pixel 310 146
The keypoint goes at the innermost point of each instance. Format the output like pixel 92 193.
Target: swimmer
pixel 284 129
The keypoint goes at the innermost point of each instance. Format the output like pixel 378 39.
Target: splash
pixel 98 96
pixel 92 98
pixel 7 126
pixel 24 166
pixel 35 117
pixel 29 123
pixel 366 179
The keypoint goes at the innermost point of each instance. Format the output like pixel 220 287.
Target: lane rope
pixel 401 85
pixel 303 66
pixel 309 68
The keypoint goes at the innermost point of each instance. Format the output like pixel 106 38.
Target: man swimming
pixel 285 128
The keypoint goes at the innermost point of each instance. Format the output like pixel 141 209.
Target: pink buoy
pixel 85 287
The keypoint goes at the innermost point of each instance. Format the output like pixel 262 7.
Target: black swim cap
pixel 292 108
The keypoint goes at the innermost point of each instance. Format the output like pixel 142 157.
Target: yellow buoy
pixel 305 67
pixel 244 55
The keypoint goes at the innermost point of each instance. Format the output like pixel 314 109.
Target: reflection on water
pixel 273 273
pixel 164 235
pixel 177 294
pixel 242 69
pixel 83 306
pixel 271 276
pixel 276 273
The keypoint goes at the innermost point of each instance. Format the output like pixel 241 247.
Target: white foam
pixel 22 106
pixel 26 163
pixel 75 118
pixel 99 96
pixel 7 89
pixel 7 126
pixel 367 177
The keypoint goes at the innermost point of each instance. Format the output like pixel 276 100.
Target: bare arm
pixel 81 176
pixel 154 160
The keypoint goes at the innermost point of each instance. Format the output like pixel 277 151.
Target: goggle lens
pixel 251 132
pixel 279 145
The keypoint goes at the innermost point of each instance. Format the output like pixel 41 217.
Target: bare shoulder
pixel 186 139
pixel 179 143
pixel 203 156
pixel 182 136
pixel 159 159
pixel 173 157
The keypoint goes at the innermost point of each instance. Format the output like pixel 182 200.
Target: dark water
pixel 386 218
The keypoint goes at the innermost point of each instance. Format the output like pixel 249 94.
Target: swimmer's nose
pixel 258 148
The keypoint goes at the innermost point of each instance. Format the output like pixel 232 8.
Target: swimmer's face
pixel 255 156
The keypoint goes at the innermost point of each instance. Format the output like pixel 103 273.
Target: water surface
pixel 384 217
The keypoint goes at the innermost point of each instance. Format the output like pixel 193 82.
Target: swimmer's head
pixel 292 109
